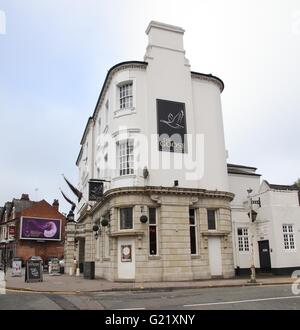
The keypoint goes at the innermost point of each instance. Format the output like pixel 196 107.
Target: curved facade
pixel 156 140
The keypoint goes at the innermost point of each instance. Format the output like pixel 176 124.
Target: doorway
pixel 215 256
pixel 264 256
pixel 126 259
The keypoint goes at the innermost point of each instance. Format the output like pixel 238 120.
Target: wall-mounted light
pixel 145 172
pixel 96 230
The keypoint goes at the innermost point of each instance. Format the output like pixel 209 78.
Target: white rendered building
pixel 156 137
pixel 276 228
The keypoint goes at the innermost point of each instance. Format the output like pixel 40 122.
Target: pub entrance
pixel 264 256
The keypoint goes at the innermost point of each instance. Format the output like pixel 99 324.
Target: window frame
pixel 215 219
pixel 289 234
pixel 243 240
pixel 125 95
pixel 195 227
pixel 155 225
pixel 132 217
pixel 124 159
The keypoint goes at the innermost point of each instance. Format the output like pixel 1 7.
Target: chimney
pixel 165 36
pixel 55 204
pixel 25 197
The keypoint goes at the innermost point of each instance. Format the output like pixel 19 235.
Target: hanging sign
pixel 95 190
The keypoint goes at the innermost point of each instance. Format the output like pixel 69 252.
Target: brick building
pixel 22 224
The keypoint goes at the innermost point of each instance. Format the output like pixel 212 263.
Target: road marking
pixel 241 301
pixel 130 309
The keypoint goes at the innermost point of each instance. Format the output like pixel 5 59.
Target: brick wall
pixel 28 248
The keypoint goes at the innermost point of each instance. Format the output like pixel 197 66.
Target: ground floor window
pixel 193 231
pixel 152 231
pixel 243 239
pixel 126 218
pixel 288 237
pixel 211 220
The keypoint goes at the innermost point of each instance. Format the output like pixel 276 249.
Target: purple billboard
pixel 40 229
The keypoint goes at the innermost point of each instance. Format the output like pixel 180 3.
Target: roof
pixel 241 166
pixel 281 186
pixel 242 170
pixel 21 204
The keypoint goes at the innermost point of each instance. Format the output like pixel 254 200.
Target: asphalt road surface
pixel 275 297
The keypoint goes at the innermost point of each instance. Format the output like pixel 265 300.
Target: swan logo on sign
pixel 171 126
pixel 40 229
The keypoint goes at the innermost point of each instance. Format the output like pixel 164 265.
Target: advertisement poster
pixel 40 229
pixel 55 267
pixel 16 268
pixel 126 253
pixel 171 126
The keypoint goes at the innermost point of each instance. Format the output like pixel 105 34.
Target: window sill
pixel 215 233
pixel 127 232
pixel 124 112
pixel 126 176
pixel 154 257
pixel 106 259
pixel 195 256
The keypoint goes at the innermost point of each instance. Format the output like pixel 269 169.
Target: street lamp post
pixel 253 274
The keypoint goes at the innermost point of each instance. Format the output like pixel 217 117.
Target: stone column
pixel 89 243
pixel 175 239
pixel 69 246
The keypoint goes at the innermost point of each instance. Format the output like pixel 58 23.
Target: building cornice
pixel 158 191
pixel 210 78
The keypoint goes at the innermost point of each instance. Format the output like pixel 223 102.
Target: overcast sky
pixel 54 56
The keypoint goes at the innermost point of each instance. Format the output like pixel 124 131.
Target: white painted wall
pixel 167 76
pixel 277 208
pixel 281 207
pixel 238 184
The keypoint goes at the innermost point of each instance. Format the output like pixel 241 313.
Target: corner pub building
pixel 158 220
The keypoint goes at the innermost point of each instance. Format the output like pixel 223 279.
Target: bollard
pixel 77 272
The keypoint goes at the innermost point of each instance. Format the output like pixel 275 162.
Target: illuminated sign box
pixel 40 229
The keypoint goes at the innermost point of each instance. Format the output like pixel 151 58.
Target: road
pixel 276 297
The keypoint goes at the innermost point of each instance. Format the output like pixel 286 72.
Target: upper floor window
pixel 288 237
pixel 126 157
pixel 211 220
pixel 243 239
pixel 126 218
pixel 126 98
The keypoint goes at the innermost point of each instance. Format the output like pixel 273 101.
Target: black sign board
pixel 171 126
pixel 34 271
pixel 95 190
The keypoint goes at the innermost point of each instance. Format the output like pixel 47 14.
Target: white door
pixel 126 258
pixel 215 257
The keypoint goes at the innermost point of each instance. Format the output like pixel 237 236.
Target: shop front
pixel 155 234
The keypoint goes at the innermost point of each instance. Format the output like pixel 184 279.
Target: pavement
pixel 72 284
